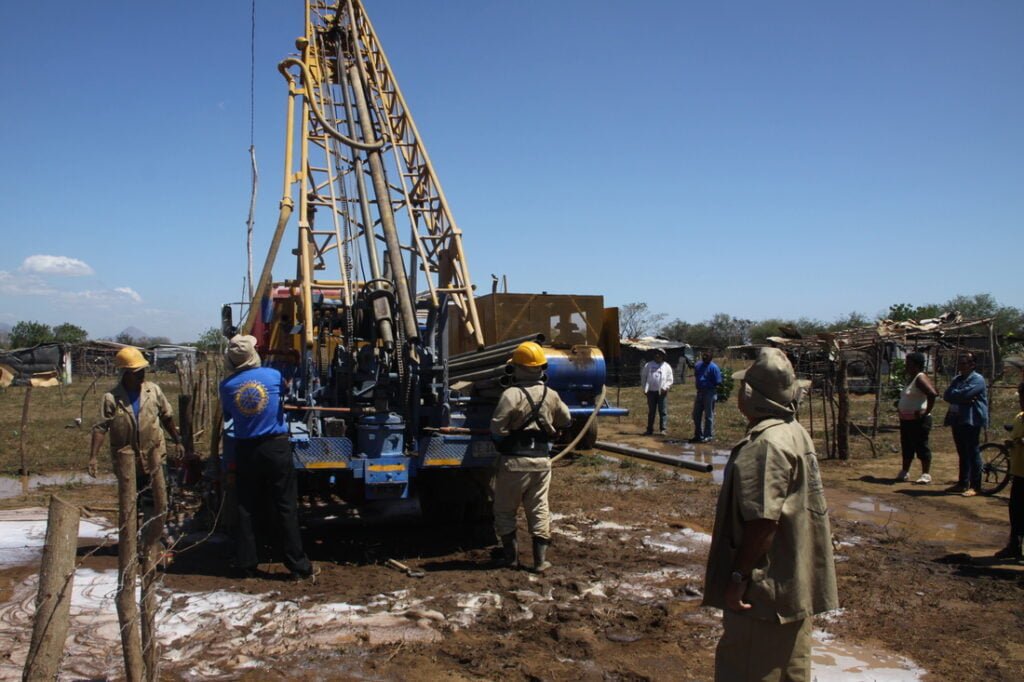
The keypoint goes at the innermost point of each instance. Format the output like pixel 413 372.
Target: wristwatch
pixel 738 577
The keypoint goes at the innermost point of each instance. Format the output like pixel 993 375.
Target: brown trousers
pixel 529 488
pixel 754 650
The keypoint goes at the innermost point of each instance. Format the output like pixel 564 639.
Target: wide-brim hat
pixel 772 376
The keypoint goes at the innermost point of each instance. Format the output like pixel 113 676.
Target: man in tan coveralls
pixel 770 567
pixel 527 417
pixel 132 413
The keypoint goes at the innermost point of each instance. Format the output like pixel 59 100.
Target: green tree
pixel 852 321
pixel 69 333
pixel 211 339
pixel 24 334
pixel 720 331
pixel 125 338
pixel 901 312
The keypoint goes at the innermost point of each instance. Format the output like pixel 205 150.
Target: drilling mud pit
pixel 622 602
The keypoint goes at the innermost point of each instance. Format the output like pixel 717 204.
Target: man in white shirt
pixel 656 380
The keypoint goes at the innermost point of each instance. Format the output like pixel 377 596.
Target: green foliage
pixel 894 386
pixel 211 339
pixel 69 333
pixel 805 326
pixel 725 388
pixel 125 338
pixel 720 331
pixel 901 312
pixel 1006 319
pixel 854 320
pixel 25 334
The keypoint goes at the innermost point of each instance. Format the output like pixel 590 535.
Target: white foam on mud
pixel 23 532
pixel 206 634
pixel 837 661
pixel 611 525
pixel 683 542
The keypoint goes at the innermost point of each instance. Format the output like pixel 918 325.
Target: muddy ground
pixel 621 603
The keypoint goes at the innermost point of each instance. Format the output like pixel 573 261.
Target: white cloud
pixel 56 265
pixel 28 285
pixel 102 298
pixel 130 293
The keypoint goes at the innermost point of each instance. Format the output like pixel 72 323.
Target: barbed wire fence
pixel 143 549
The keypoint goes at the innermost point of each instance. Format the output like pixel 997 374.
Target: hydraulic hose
pixel 579 436
pixel 334 132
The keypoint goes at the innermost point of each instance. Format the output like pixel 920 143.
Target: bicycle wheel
pixel 995 468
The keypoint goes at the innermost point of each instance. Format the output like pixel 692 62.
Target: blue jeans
pixel 659 402
pixel 704 407
pixel 966 438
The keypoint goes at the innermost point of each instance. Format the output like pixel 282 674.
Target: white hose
pixel 586 427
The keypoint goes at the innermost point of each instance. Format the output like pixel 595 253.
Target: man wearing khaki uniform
pixel 770 567
pixel 132 413
pixel 527 417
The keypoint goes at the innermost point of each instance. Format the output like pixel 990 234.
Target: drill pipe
pixel 652 456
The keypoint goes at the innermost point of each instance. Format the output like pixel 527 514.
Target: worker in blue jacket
pixel 967 396
pixel 708 376
pixel 252 398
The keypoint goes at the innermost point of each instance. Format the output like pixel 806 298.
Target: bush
pixel 725 388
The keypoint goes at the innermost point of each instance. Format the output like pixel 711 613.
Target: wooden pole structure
pixel 53 601
pixel 843 422
pixel 21 435
pixel 186 426
pixel 128 564
pixel 152 549
pixel 810 403
pixel 826 392
pixel 879 352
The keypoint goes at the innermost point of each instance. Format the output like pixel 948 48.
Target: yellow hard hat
pixel 529 354
pixel 130 358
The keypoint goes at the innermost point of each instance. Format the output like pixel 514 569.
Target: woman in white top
pixel 916 402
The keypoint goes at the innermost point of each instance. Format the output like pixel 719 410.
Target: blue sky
pixel 779 159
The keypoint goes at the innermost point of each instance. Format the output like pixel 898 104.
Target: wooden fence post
pixel 843 422
pixel 187 429
pixel 21 435
pixel 152 532
pixel 53 601
pixel 128 563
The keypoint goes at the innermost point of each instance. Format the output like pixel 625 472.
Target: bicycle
pixel 995 465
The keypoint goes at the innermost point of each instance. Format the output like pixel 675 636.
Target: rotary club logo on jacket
pixel 251 398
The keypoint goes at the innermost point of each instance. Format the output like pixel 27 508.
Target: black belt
pixel 263 439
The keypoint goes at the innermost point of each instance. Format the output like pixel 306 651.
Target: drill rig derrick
pixel 360 329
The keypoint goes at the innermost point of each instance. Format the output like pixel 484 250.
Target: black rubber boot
pixel 1012 549
pixel 540 552
pixel 509 551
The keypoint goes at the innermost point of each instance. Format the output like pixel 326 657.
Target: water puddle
pixel 11 486
pixel 965 533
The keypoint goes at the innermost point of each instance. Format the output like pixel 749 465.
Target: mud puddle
pixel 937 526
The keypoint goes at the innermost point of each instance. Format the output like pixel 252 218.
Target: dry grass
pixel 53 442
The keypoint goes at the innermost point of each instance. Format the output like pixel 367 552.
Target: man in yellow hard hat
pixel 132 413
pixel 527 417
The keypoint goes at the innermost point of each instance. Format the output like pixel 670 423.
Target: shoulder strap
pixel 534 415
